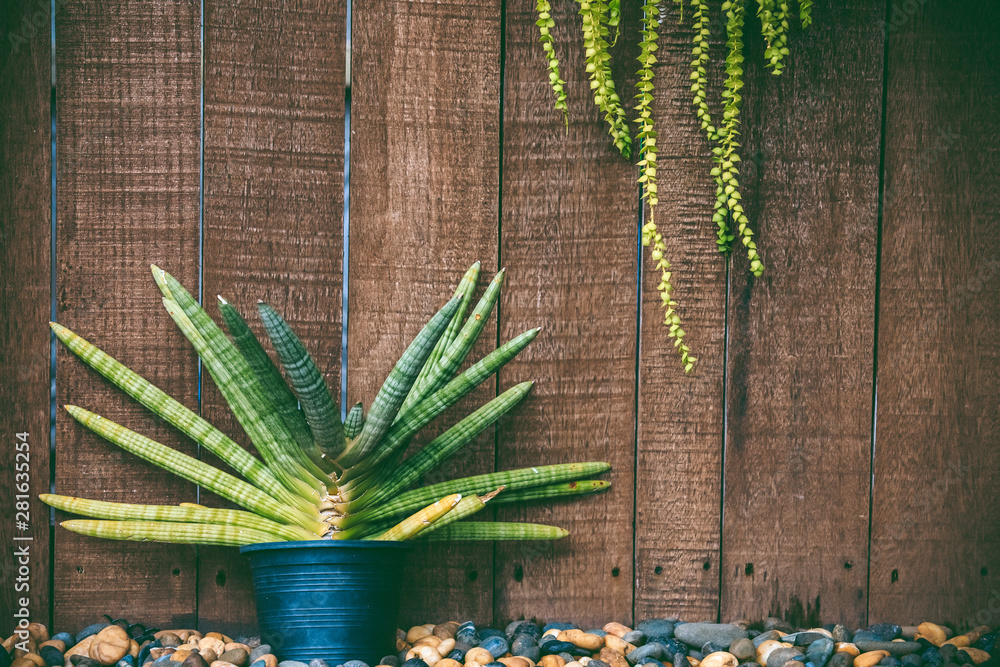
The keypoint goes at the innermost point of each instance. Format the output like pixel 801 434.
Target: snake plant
pixel 318 477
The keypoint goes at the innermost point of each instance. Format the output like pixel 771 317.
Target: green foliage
pixel 288 496
pixel 545 24
pixel 595 32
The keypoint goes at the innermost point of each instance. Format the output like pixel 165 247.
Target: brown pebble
pixel 613 658
pixel 22 662
pixel 180 655
pixel 401 645
pixel 869 659
pixel 446 630
pixel 194 660
pixel 169 639
pixel 616 643
pixel 236 656
pixel 110 645
pixel 978 655
pixel 269 660
pixel 847 647
pixel 231 645
pixel 552 661
pixel 214 643
pixel 35 658
pixel 417 632
pixel 617 629
pixel 38 632
pixel 209 655
pixel 720 659
pixel 221 663
pixel 581 639
pixel 480 655
pixel 515 661
pixel 448 662
pixel 743 649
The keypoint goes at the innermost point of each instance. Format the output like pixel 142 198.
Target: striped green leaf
pixel 259 418
pixel 322 413
pixel 390 397
pixel 459 346
pixel 193 470
pixel 465 290
pixel 482 530
pixel 581 487
pixel 514 480
pixel 182 514
pixel 175 533
pixel 272 383
pixel 355 420
pixel 295 478
pixel 181 418
pixel 449 442
pixel 432 406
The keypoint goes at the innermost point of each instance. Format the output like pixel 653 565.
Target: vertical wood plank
pixel 128 142
pixel 424 195
pixel 25 239
pixel 795 516
pixel 935 534
pixel 680 417
pixel 274 159
pixel 569 228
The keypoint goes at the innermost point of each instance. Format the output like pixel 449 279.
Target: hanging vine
pixel 599 18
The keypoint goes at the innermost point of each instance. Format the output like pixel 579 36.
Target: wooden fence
pixel 211 140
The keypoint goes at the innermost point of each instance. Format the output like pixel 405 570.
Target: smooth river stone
pixel 699 634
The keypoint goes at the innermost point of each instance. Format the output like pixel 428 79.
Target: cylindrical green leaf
pixel 272 383
pixel 174 533
pixel 182 514
pixel 193 470
pixel 554 491
pixel 181 418
pixel 321 411
pixel 483 530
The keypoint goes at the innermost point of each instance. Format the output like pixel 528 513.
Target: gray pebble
pixel 748 664
pixel 805 638
pixel 598 632
pixel 647 651
pixel 90 630
pixel 522 643
pixel 712 647
pixel 820 651
pixel 51 655
pixel 780 656
pixel 497 646
pixel 697 655
pixel 841 659
pixel 318 662
pixel 598 663
pixel 657 627
pixel 894 648
pixel 636 637
pixel 841 634
pixel 699 634
pixel 349 663
pixel 292 663
pixel 772 623
pixel 568 657
pixel 743 649
pixel 390 660
pixel 263 649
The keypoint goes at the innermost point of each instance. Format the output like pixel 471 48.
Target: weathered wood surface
pixel 750 503
pixel 274 159
pixel 678 485
pixel 570 214
pixel 425 178
pixel 799 393
pixel 127 96
pixel 935 533
pixel 25 262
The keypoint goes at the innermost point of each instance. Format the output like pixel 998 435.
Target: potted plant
pixel 328 506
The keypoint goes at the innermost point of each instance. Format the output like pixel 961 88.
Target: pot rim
pixel 325 544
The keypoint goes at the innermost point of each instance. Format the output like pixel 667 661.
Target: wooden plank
pixel 274 159
pixel 569 230
pixel 679 458
pixel 935 537
pixel 424 197
pixel 128 146
pixel 25 262
pixel 795 528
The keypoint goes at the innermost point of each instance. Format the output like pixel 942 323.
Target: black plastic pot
pixel 332 599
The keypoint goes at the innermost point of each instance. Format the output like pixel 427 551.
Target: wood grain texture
pixel 274 159
pixel 25 237
pixel 128 145
pixel 798 442
pixel 935 534
pixel 424 197
pixel 568 238
pixel 679 457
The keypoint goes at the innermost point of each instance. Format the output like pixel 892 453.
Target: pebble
pixel 91 630
pixel 699 634
pixel 891 647
pixel 820 651
pixel 770 635
pixel 656 627
pixel 652 650
pixel 65 637
pixel 263 649
pixel 51 655
pixel 779 656
pixel 389 661
pixel 885 631
pixel 239 657
pixel 841 634
pixel 636 637
pixel 743 649
pixel 772 623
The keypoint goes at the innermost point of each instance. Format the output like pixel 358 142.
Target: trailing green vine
pixel 599 18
